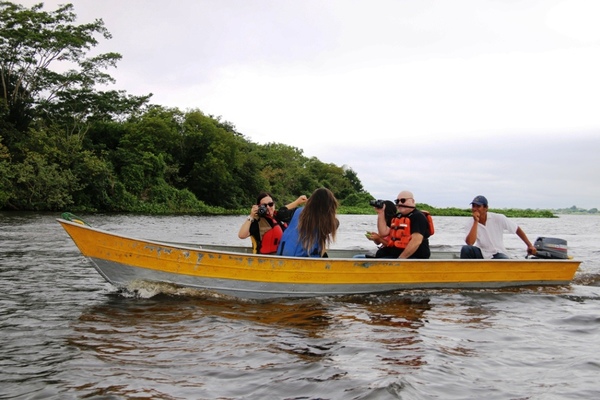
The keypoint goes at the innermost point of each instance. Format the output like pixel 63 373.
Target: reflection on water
pixel 395 321
pixel 209 336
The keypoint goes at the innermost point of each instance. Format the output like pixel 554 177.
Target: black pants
pixel 388 252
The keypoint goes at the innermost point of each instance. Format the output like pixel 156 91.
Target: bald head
pixel 405 201
pixel 405 194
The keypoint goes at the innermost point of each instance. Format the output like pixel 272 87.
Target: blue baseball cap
pixel 480 201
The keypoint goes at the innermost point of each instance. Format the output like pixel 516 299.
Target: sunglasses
pixel 271 204
pixel 401 201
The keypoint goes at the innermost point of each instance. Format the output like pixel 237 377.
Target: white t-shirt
pixel 490 236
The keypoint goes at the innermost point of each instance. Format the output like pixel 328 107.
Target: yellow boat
pixel 123 261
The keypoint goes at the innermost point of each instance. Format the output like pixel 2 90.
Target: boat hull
pixel 124 260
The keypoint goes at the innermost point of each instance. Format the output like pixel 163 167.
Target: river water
pixel 66 333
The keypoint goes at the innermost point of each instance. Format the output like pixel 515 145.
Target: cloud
pixel 576 19
pixel 524 171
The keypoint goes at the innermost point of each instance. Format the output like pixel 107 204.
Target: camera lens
pixel 262 210
pixel 376 203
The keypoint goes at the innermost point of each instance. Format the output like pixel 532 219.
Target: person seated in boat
pixel 485 231
pixel 389 211
pixel 408 231
pixel 312 227
pixel 265 225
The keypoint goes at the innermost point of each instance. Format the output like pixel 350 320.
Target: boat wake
pixel 147 289
pixel 587 279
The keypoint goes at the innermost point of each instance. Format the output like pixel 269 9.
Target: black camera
pixel 377 203
pixel 262 210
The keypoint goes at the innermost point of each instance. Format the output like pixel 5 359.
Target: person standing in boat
pixel 265 226
pixel 408 232
pixel 312 227
pixel 485 233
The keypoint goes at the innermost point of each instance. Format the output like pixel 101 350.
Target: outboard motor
pixel 551 248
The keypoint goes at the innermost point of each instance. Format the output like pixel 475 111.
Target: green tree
pixel 330 176
pixel 34 46
pixel 352 178
pixel 210 161
pixel 42 185
pixel 249 174
pixel 6 175
pixel 283 170
pixel 96 179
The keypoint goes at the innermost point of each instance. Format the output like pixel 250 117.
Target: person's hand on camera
pixel 254 212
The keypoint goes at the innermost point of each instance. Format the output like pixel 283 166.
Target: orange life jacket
pixel 400 230
pixel 271 239
pixel 270 236
pixel 430 221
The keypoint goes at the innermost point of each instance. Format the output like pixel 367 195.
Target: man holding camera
pixel 265 226
pixel 409 230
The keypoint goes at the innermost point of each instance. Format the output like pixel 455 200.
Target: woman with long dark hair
pixel 312 228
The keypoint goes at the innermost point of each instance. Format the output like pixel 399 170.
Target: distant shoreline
pixel 459 212
pixel 346 210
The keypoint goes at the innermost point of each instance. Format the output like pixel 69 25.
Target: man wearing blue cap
pixel 487 230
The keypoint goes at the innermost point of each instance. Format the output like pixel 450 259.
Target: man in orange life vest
pixel 409 230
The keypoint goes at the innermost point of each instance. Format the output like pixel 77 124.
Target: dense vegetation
pixel 66 144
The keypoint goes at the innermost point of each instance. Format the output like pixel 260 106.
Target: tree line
pixel 67 144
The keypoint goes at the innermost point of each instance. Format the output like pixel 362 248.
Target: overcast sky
pixel 448 99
